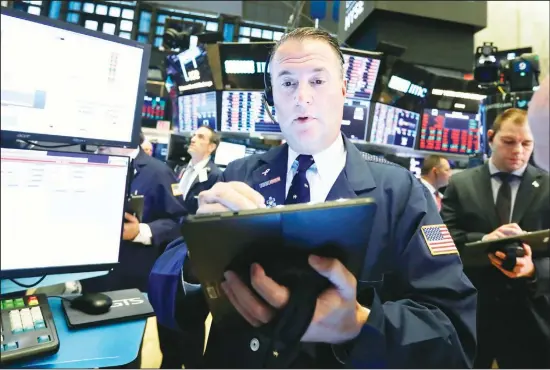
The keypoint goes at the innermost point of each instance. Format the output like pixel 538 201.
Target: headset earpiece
pixel 268 91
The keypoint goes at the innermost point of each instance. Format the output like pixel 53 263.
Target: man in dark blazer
pixel 201 173
pixel 420 308
pixel 505 197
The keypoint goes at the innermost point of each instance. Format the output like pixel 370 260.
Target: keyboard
pixel 27 328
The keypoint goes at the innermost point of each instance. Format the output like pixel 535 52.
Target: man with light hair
pixel 539 120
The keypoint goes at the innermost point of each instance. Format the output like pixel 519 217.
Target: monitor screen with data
pixel 244 112
pixel 64 83
pixel 449 131
pixel 360 71
pixel 61 212
pixel 197 110
pixel 394 126
pixel 356 116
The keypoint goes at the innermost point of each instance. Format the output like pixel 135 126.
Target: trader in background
pixel 422 314
pixel 435 174
pixel 201 173
pixel 147 147
pixel 501 198
pixel 539 119
pixel 143 240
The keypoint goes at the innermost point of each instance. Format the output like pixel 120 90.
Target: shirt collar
pixel 429 186
pixel 199 166
pixel 493 169
pixel 323 160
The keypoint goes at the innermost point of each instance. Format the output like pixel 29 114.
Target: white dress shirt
pixel 433 191
pixel 514 184
pixel 190 174
pixel 322 175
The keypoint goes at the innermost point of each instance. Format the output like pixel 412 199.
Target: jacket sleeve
pixel 432 321
pixel 170 210
pixel 451 212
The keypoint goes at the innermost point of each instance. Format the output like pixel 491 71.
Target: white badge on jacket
pixel 203 175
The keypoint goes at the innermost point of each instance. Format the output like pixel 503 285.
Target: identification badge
pixel 176 190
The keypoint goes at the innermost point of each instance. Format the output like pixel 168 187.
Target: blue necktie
pixel 299 189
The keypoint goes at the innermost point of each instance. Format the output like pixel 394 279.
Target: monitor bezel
pixel 57 270
pixel 74 140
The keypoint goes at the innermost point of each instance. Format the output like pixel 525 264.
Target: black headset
pixel 268 89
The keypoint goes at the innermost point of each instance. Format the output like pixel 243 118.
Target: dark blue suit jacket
pixel 163 212
pixel 423 314
pixel 214 175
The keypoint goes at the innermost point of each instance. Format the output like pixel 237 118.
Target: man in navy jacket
pixel 420 312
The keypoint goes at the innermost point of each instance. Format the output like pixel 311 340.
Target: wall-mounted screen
pixel 154 108
pixel 361 72
pixel 394 126
pixel 449 132
pixel 244 112
pixel 197 110
pixel 196 74
pixel 243 64
pixel 356 116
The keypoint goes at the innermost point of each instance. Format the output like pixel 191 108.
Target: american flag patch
pixel 439 240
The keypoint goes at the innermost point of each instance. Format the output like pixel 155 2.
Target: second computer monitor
pixel 72 202
pixel 244 112
pixel 449 131
pixel 197 110
pixel 394 126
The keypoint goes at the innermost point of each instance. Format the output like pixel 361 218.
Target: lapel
pixel 269 178
pixel 526 193
pixel 355 178
pixel 484 189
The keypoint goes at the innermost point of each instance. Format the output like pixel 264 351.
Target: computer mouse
pixel 92 303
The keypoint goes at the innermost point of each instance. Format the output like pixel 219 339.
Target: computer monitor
pixel 449 132
pixel 177 149
pixel 394 126
pixel 243 64
pixel 244 112
pixel 361 71
pixel 356 116
pixel 228 152
pixel 64 83
pixel 160 151
pixel 62 212
pixel 196 72
pixel 197 110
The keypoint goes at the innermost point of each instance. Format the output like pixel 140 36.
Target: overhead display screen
pixel 243 64
pixel 449 131
pixel 197 110
pixel 360 72
pixel 394 126
pixel 192 70
pixel 244 112
pixel 354 122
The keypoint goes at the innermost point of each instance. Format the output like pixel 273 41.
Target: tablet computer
pixel 219 242
pixel 475 253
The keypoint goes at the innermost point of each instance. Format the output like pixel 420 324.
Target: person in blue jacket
pixel 143 240
pixel 201 173
pixel 421 310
